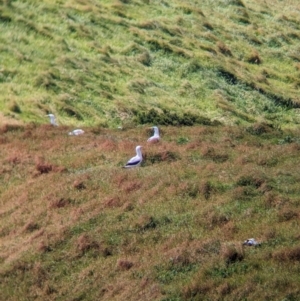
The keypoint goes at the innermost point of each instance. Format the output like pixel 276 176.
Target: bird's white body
pixel 136 160
pixel 155 137
pixel 251 242
pixel 76 132
pixel 52 119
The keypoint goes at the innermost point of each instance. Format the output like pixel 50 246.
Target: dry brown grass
pixel 287 254
pixel 182 215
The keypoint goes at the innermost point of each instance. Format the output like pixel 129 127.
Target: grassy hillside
pixel 77 226
pixel 109 62
pixel 220 79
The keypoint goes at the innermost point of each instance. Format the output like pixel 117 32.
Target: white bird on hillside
pixel 136 160
pixel 251 242
pixel 155 137
pixel 52 119
pixel 76 132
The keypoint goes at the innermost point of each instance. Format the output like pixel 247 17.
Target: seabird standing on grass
pixel 136 160
pixel 76 132
pixel 155 137
pixel 52 119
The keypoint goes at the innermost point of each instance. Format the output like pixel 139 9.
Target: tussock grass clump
pixel 171 118
pixel 145 222
pixel 43 167
pixel 206 189
pixel 71 112
pixel 218 156
pixel 287 214
pixel 189 10
pixel 287 254
pixel 14 107
pixel 228 76
pixel 260 128
pixel 124 265
pixel 47 79
pixel 208 25
pixel 30 227
pixel 236 2
pixel 164 156
pixel 79 185
pixel 139 85
pixel 145 58
pixel 85 244
pixel 249 180
pixel 11 128
pixel 232 254
pixel 60 203
pixel 223 48
pixel 254 58
pixel 215 220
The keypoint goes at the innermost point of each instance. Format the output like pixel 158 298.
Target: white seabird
pixel 136 160
pixel 52 119
pixel 251 242
pixel 76 132
pixel 155 137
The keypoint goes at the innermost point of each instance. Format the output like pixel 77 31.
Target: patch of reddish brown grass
pixel 232 253
pixel 112 202
pixel 287 254
pixel 145 222
pixel 43 167
pixel 14 159
pixel 128 206
pixel 124 265
pixel 10 128
pixel 79 185
pixel 132 186
pixel 197 289
pixel 214 219
pixel 30 227
pixel 210 152
pixel 272 199
pixel 108 145
pixel 85 243
pixel 43 247
pixel 206 189
pixel 286 214
pixel 60 203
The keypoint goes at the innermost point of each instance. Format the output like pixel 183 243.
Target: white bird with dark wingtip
pixel 155 137
pixel 251 242
pixel 52 119
pixel 76 132
pixel 136 160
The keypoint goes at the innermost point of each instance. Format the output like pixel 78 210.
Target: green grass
pixel 97 63
pixel 220 79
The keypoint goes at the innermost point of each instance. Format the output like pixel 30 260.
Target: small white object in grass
pixel 52 119
pixel 76 132
pixel 136 160
pixel 155 137
pixel 251 242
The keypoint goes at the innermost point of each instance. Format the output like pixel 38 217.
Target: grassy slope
pixel 93 62
pixel 76 226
